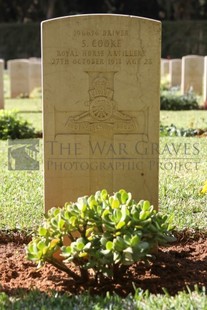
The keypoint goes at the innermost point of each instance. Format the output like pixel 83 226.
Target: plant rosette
pixel 106 233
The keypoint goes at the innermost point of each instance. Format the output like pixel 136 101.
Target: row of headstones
pixel 24 75
pixel 189 73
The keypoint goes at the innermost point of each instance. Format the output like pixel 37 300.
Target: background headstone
pixel 1 84
pixel 19 77
pixel 192 74
pixel 34 75
pixel 175 72
pixel 101 79
pixel 165 67
pixel 205 81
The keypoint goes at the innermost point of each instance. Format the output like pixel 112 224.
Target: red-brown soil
pixel 182 264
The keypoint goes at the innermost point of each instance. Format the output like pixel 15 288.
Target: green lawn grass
pixel 181 177
pixel 192 300
pixel 186 119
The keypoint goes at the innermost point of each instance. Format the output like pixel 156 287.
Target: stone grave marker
pixel 192 74
pixel 165 63
pixel 101 79
pixel 205 81
pixel 19 77
pixel 175 72
pixel 1 84
pixel 34 75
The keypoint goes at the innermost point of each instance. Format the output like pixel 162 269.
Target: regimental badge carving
pixel 101 104
pixel 102 111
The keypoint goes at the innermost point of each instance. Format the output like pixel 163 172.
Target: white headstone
pixel 19 77
pixel 101 101
pixel 175 72
pixel 192 74
pixel 205 81
pixel 34 75
pixel 165 65
pixel 1 84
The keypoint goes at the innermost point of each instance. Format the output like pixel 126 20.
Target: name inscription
pixel 100 48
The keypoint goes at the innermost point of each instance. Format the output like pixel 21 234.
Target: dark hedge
pixel 179 38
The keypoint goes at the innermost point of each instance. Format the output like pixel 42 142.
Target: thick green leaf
pixel 32 257
pixel 97 195
pixel 127 239
pixel 104 194
pixel 117 214
pixel 119 244
pixel 89 231
pixel 99 210
pixel 80 244
pixel 103 240
pixel 124 196
pixel 73 220
pixel 124 213
pixel 105 214
pixel 91 201
pixel 83 254
pixel 109 245
pixel 109 228
pixel 115 203
pixel 53 212
pixel 66 250
pixel 129 199
pixel 42 231
pixel 136 216
pixel 61 224
pixel 44 251
pixel 41 244
pixel 54 222
pixel 143 245
pixel 116 257
pixel 128 256
pixel 87 246
pixel 32 247
pixel 82 204
pixel 135 240
pixel 120 225
pixel 66 215
pixel 144 215
pixel 105 252
pixel 54 243
pixel 146 205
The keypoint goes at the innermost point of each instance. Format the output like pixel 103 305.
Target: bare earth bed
pixel 182 264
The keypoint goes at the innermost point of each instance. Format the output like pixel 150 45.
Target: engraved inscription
pixel 100 48
pixel 109 33
pixel 101 43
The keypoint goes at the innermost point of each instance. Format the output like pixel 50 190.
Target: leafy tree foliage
pixel 37 10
